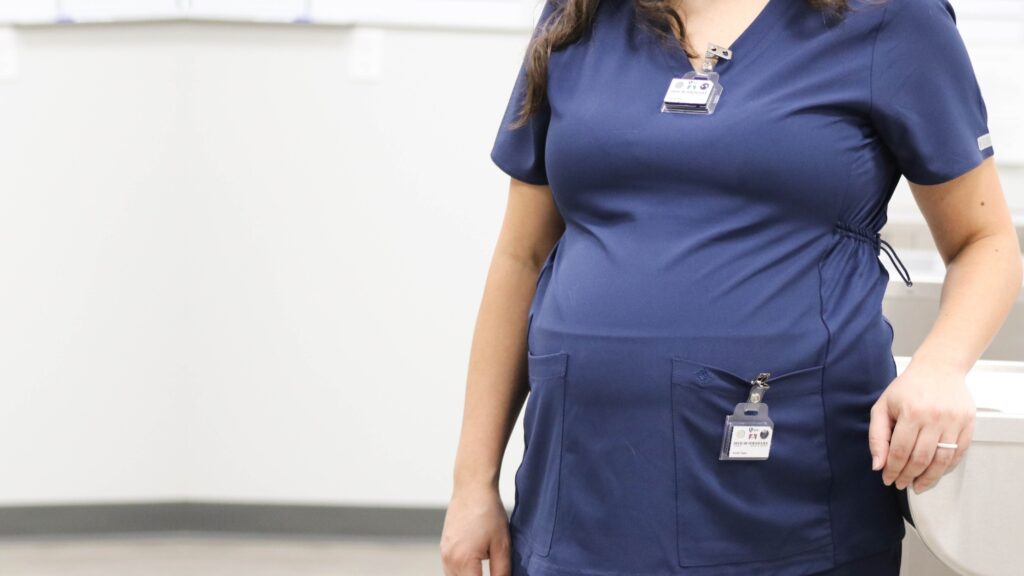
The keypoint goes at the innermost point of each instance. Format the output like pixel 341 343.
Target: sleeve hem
pixel 529 178
pixel 954 172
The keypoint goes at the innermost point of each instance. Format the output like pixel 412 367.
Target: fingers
pixel 879 432
pixel 460 561
pixel 945 459
pixel 923 455
pixel 914 455
pixel 475 567
pixel 501 557
pixel 964 441
pixel 904 437
pixel 940 463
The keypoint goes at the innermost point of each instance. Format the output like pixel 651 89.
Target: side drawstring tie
pixel 889 251
pixel 875 239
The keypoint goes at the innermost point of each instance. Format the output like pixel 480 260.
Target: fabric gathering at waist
pixel 875 239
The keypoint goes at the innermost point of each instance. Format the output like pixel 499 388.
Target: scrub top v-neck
pixel 747 39
pixel 702 250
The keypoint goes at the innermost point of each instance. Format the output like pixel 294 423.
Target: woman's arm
pixel 475 522
pixel 929 403
pixel 974 233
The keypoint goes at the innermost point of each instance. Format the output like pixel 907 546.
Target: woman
pixel 656 270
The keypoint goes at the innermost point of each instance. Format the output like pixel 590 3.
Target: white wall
pixel 231 271
pixel 449 14
pixel 92 373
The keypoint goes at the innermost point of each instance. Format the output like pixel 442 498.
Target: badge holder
pixel 748 430
pixel 697 92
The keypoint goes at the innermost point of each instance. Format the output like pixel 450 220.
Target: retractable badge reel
pixel 748 430
pixel 697 92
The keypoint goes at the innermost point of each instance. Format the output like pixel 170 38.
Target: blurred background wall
pixel 242 261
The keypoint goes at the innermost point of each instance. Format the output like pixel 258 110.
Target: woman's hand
pixel 929 403
pixel 475 528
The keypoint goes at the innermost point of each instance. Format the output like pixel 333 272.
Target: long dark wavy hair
pixel 572 19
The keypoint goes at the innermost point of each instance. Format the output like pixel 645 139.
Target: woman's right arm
pixel 476 524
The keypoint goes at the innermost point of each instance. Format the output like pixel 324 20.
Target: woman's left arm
pixel 929 402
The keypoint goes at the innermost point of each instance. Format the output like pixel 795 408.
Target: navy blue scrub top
pixel 702 250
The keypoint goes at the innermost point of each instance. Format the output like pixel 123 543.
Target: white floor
pixel 195 555
pixel 173 555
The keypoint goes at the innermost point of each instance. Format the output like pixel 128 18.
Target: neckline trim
pixel 749 38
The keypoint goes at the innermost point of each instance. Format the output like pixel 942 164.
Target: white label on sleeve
pixel 984 141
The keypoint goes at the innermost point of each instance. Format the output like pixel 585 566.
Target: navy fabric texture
pixel 702 250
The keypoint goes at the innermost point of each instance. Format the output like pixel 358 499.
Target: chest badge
pixel 697 92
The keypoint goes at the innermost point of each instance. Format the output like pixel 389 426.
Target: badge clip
pixel 697 92
pixel 748 430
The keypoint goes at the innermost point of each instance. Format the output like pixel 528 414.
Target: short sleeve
pixel 520 152
pixel 926 103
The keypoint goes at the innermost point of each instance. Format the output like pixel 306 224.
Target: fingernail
pixel 874 462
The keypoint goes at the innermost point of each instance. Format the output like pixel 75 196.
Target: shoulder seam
pixel 871 68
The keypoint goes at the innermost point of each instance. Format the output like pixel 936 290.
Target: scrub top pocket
pixel 537 477
pixel 744 511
